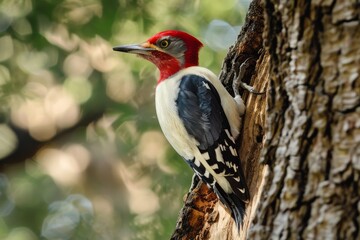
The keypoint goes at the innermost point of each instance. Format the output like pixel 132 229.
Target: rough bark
pixel 312 136
pixel 311 62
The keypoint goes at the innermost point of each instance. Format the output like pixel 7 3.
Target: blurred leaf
pixel 6 202
pixel 68 218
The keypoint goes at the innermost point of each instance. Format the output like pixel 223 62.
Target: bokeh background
pixel 81 152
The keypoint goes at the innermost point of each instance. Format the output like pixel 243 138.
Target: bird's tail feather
pixel 233 203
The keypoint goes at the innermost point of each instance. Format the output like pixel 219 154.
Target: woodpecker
pixel 197 115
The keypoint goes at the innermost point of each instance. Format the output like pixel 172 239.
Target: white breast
pixel 170 123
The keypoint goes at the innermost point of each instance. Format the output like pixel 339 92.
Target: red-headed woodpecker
pixel 199 118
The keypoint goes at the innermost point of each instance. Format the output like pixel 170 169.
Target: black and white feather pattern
pixel 201 112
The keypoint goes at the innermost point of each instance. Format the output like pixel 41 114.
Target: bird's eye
pixel 164 43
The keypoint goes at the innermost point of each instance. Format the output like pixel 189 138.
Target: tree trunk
pixel 304 181
pixel 313 136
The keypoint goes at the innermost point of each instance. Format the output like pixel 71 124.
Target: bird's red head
pixel 169 50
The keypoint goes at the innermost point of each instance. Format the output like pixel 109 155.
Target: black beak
pixel 134 48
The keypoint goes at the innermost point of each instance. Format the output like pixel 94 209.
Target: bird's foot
pixel 238 81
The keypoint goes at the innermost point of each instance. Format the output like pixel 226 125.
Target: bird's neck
pixel 169 65
pixel 168 68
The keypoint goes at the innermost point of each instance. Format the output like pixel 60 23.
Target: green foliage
pixel 104 171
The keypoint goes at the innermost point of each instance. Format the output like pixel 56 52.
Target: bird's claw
pixel 238 81
pixel 250 88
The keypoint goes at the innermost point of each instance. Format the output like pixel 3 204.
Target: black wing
pixel 199 107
